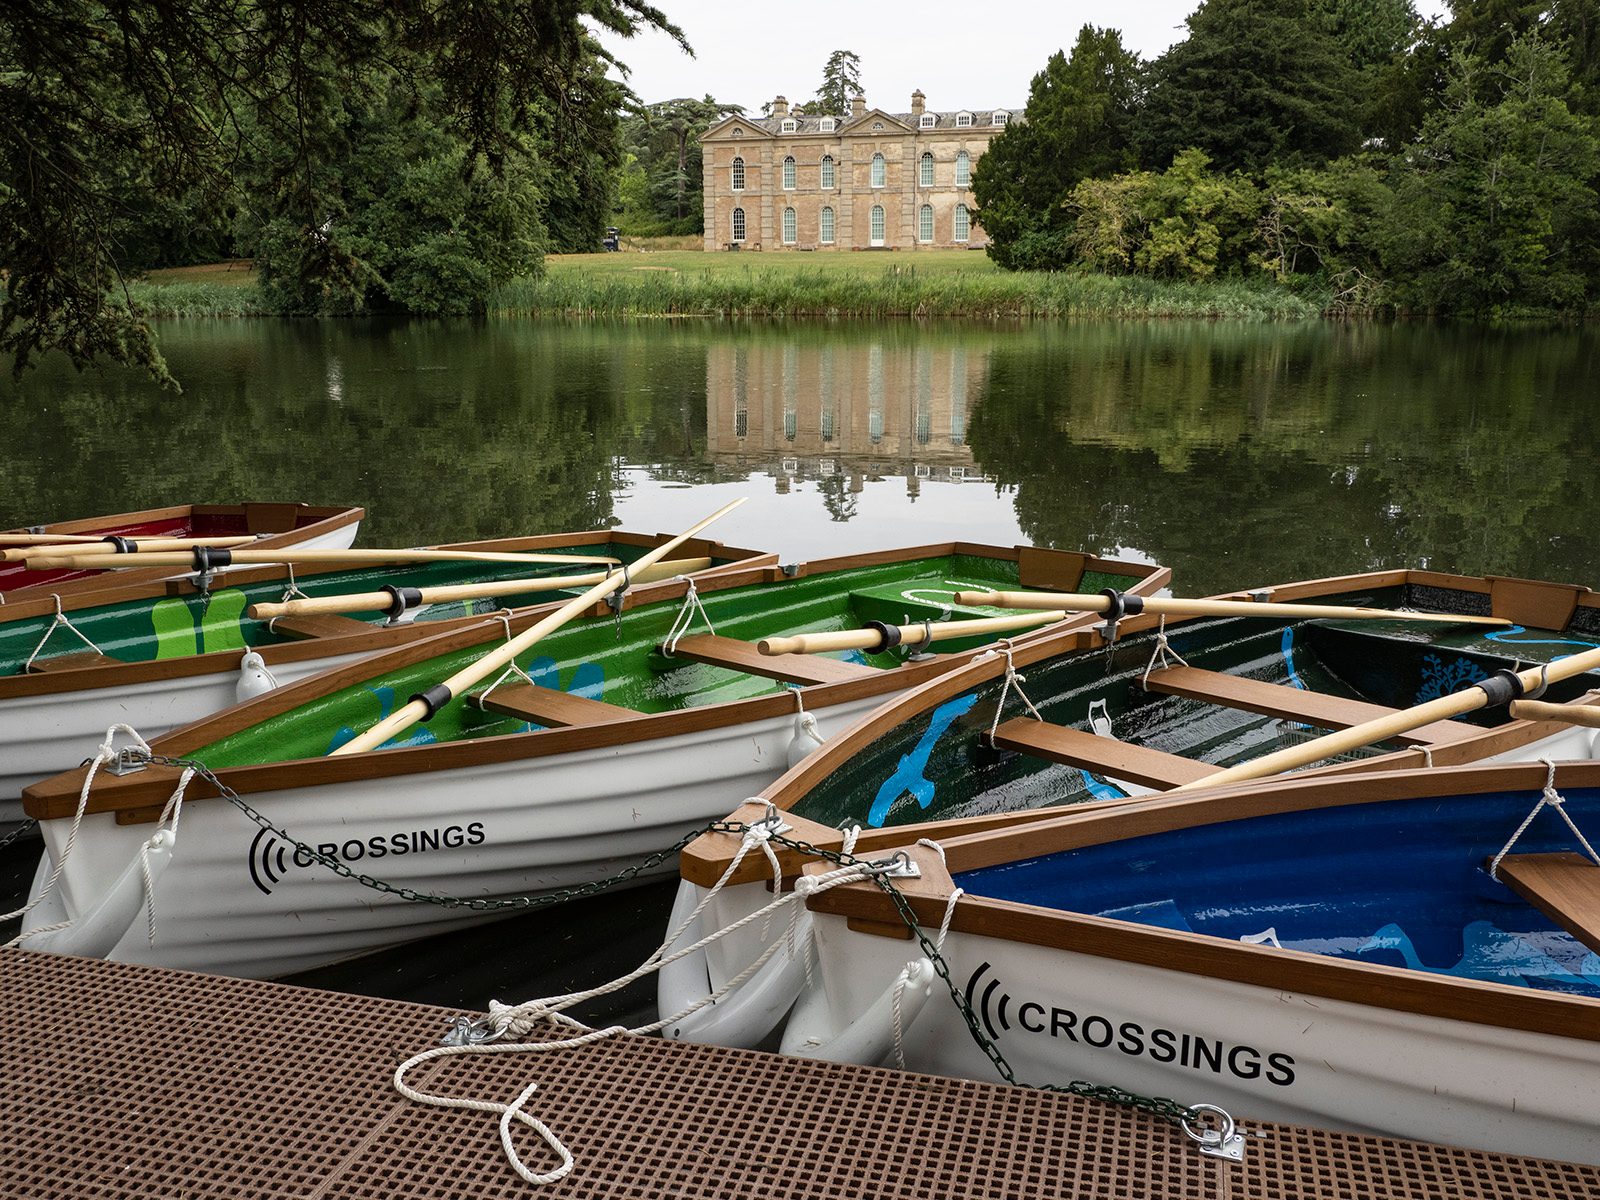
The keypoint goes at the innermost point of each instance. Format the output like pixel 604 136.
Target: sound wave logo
pixel 988 1006
pixel 269 861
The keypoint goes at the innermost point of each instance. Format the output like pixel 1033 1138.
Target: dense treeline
pixel 1335 144
pixel 409 156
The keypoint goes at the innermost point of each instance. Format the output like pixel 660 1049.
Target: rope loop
pixel 685 618
pixel 1550 798
pixel 60 621
pixel 1163 652
pixel 1013 679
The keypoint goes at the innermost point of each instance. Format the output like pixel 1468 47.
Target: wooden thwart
pixel 744 656
pixel 548 706
pixel 320 626
pixel 1102 755
pixel 1291 703
pixel 1564 887
pixel 73 662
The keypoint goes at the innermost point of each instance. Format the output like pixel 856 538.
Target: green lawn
pixel 870 264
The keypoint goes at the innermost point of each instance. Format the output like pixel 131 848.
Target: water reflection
pixel 1236 453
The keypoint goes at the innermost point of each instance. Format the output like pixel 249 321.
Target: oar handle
pixel 1171 606
pixel 1572 714
pixel 289 554
pixel 109 548
pixel 425 704
pixel 1497 689
pixel 877 638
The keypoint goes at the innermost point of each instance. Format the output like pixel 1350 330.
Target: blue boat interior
pixel 1400 883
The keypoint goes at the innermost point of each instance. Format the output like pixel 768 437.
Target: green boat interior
pixel 1226 691
pixel 197 622
pixel 597 669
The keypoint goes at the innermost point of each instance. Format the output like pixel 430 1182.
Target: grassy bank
pixel 942 283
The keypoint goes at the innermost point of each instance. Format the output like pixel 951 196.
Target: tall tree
pixel 156 97
pixel 1256 83
pixel 841 82
pixel 664 138
pixel 1078 125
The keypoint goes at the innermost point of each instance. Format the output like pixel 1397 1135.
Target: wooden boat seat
pixel 549 706
pixel 320 625
pixel 738 655
pixel 1292 703
pixel 72 662
pixel 1564 887
pixel 1102 755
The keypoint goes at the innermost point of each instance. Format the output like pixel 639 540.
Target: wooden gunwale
pixel 1370 984
pixel 703 861
pixel 327 519
pixel 58 796
pixel 372 638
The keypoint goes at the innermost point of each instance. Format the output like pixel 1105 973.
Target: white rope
pixel 1427 757
pixel 106 753
pixel 898 1025
pixel 57 622
pixel 685 617
pixel 1163 650
pixel 809 728
pixel 174 809
pixel 520 1019
pixel 504 617
pixel 292 592
pixel 1012 680
pixel 1557 803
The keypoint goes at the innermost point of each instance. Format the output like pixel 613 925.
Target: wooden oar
pixel 104 548
pixel 1572 714
pixel 902 635
pixel 224 557
pixel 350 602
pixel 55 539
pixel 422 706
pixel 1469 699
pixel 1174 607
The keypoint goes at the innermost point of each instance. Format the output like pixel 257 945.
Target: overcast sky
pixel 963 55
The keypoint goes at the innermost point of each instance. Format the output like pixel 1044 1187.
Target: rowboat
pixel 1394 953
pixel 627 729
pixel 1173 703
pixel 268 524
pixel 162 653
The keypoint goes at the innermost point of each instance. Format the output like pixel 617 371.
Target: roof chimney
pixel 858 106
pixel 780 107
pixel 917 103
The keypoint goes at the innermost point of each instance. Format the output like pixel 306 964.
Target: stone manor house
pixel 865 180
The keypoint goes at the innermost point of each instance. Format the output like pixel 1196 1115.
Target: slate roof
pixel 981 119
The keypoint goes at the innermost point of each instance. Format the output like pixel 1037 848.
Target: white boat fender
pixel 97 932
pixel 807 737
pixel 747 1016
pixel 254 678
pixel 814 1032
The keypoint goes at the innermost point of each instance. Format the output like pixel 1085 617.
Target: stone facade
pixel 899 180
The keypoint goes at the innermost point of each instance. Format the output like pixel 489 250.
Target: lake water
pixel 1238 454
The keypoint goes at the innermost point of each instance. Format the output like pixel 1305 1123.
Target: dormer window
pixel 829 124
pixel 963 120
pixel 789 126
pixel 1001 117
pixel 928 121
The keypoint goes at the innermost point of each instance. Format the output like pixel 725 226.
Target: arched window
pixel 827 171
pixel 963 169
pixel 963 223
pixel 927 169
pixel 877 224
pixel 879 170
pixel 789 226
pixel 738 174
pixel 738 224
pixel 788 173
pixel 827 226
pixel 925 223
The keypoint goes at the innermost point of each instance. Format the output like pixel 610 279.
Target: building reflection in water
pixel 841 417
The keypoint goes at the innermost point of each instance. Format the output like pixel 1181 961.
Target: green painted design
pixel 222 628
pixel 176 636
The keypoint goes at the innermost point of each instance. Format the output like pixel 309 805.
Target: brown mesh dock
pixel 121 1081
